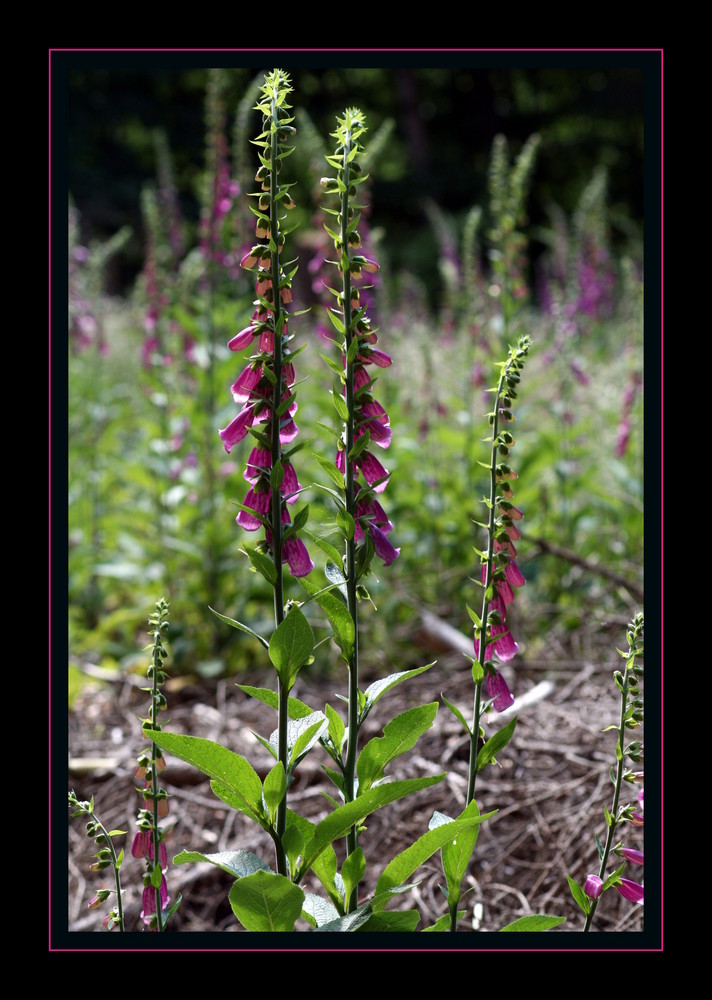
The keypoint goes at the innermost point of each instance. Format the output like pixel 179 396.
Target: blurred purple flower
pixel 632 891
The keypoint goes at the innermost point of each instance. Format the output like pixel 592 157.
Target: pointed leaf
pixel 342 819
pixel 274 789
pixel 321 911
pixel 332 472
pixel 351 922
pixel 495 744
pixel 457 853
pixel 238 863
pixel 404 864
pixel 579 895
pixel 458 715
pixel 217 762
pixel 342 624
pixel 291 646
pixel 262 564
pixel 266 902
pixel 352 871
pixel 302 734
pixel 376 690
pixel 400 735
pixel 239 625
pixel 296 709
pixel 534 922
pixel 403 921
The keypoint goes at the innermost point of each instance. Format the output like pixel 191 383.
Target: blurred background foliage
pixel 159 161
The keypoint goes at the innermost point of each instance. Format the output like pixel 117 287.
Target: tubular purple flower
pixel 635 857
pixel 632 891
pixel 259 502
pixel 242 339
pixel 237 429
pixel 497 689
pixel 384 549
pixel 148 900
pixel 373 470
pixel 296 556
pixel 247 381
pixel 141 843
pixel 592 886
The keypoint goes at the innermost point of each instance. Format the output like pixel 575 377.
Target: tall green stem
pixel 276 507
pixel 352 600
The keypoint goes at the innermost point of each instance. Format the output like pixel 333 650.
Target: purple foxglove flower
pixel 635 857
pixel 592 886
pixel 242 339
pixel 247 382
pixel 500 643
pixel 296 556
pixel 376 357
pixel 260 461
pixel 384 549
pixel 632 891
pixel 514 575
pixel 637 819
pixel 497 689
pixel 290 486
pixel 373 470
pixel 257 500
pixel 236 430
pixel 141 843
pixel 148 907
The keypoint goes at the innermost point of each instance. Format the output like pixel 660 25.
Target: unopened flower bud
pixel 592 886
pixel 330 184
pixel 635 857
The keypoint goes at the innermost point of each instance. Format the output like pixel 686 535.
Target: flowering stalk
pixel 499 571
pixel 148 841
pixel 631 717
pixel 362 520
pixel 265 389
pixel 106 856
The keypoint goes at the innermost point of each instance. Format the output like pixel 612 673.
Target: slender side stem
pixel 117 875
pixel 484 632
pixel 352 601
pixel 276 509
pixel 616 797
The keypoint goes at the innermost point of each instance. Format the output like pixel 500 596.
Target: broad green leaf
pixel 404 864
pixel 352 871
pixel 443 923
pixel 337 729
pixel 330 550
pixel 342 624
pixel 274 789
pixel 266 902
pixel 578 894
pixel 613 878
pixel 237 863
pixel 239 625
pixel 296 709
pixel 334 574
pixel 156 877
pixel 346 524
pixel 340 406
pixel 318 911
pixel 534 922
pixel 291 646
pixel 342 819
pixel 325 866
pixel 302 734
pixel 495 744
pixel 217 762
pixel 456 854
pixel 330 468
pixel 351 922
pixel 391 920
pixel 262 564
pixel 293 844
pixel 376 690
pixel 458 714
pixel 400 735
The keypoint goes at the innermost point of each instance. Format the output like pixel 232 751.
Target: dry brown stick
pixel 576 560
